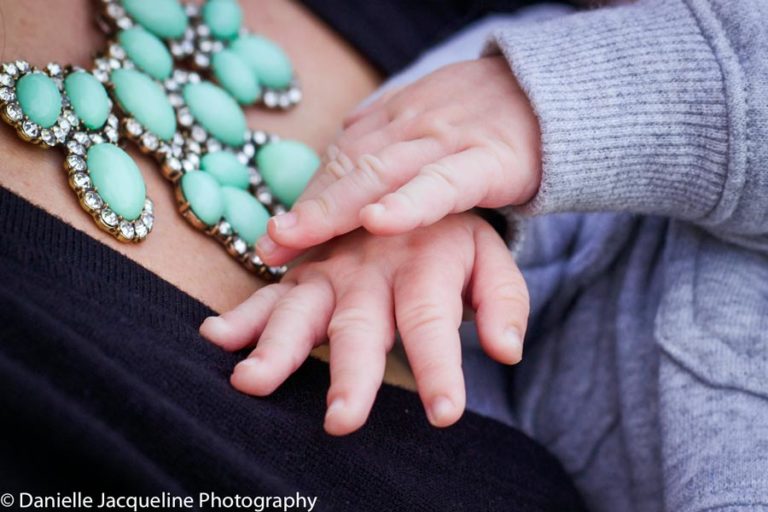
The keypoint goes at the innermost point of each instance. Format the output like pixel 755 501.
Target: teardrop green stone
pixel 246 215
pixel 267 60
pixel 89 99
pixel 226 168
pixel 117 179
pixel 147 52
pixel 223 17
pixel 217 112
pixel 204 196
pixel 164 18
pixel 39 98
pixel 145 100
pixel 287 166
pixel 234 74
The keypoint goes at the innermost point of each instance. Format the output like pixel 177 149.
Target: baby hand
pixel 461 137
pixel 355 290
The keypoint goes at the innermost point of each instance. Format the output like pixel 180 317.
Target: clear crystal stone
pixel 213 145
pixel 102 63
pixel 284 101
pixel 71 118
pixel 93 200
pixel 249 150
pixel 148 220
pixel 176 151
pixel 188 166
pixel 171 85
pixel 7 94
pixel 193 146
pixel 191 10
pixel 6 80
pixel 111 134
pixel 180 75
pixel 109 217
pixel 178 139
pixel 133 127
pixel 217 46
pixel 96 138
pixel 149 206
pixel 101 75
pixel 273 137
pixel 239 245
pixel 255 260
pixel 13 111
pixel 140 229
pixel 64 125
pixel 279 209
pixel 203 30
pixel 243 158
pixel 117 51
pixel 194 159
pixel 224 229
pixel 113 121
pixel 205 45
pixel 255 178
pixel 10 68
pixel 75 163
pixel 264 195
pixel 115 11
pixel 185 117
pixel 124 23
pixel 82 138
pixel 30 129
pixel 198 133
pixel 270 99
pixel 259 138
pixel 126 229
pixel 294 95
pixel 54 69
pixel 193 78
pixel 187 47
pixel 174 164
pixel 149 141
pixel 81 180
pixel 22 66
pixel 75 148
pixel 47 137
pixel 177 50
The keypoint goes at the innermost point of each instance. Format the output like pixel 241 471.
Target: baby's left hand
pixel 356 289
pixel 461 137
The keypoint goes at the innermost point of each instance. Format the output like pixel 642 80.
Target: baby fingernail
pixel 336 406
pixel 441 411
pixel 285 220
pixel 376 209
pixel 266 245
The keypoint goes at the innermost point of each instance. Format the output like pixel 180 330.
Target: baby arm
pixel 356 290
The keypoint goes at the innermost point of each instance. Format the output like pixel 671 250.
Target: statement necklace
pixel 173 80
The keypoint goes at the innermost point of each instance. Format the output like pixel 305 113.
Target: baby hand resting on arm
pixel 407 165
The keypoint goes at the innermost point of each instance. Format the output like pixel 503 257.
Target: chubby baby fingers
pixel 428 308
pixel 295 326
pixel 239 327
pixel 360 334
pixel 499 298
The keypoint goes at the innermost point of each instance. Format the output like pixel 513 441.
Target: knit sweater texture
pixel 646 360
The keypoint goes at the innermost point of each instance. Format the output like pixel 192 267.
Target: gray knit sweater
pixel 646 364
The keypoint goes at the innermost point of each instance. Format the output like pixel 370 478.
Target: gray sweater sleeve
pixel 658 107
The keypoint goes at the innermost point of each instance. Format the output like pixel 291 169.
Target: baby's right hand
pixel 356 289
pixel 461 137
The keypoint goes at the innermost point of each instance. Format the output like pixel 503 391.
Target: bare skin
pixel 175 251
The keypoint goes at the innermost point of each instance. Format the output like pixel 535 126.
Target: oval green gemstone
pixel 246 215
pixel 117 179
pixel 204 196
pixel 164 18
pixel 145 100
pixel 234 74
pixel 226 168
pixel 217 112
pixel 89 99
pixel 223 17
pixel 147 52
pixel 267 60
pixel 287 167
pixel 39 98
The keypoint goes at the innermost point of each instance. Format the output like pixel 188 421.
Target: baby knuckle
pixel 373 169
pixel 348 320
pixel 422 317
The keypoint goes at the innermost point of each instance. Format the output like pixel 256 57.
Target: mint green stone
pixel 223 17
pixel 39 98
pixel 89 99
pixel 266 59
pixel 226 168
pixel 117 179
pixel 147 52
pixel 204 196
pixel 234 74
pixel 145 100
pixel 217 112
pixel 246 215
pixel 164 18
pixel 287 167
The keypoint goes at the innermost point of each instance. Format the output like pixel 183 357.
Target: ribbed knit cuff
pixel 632 110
